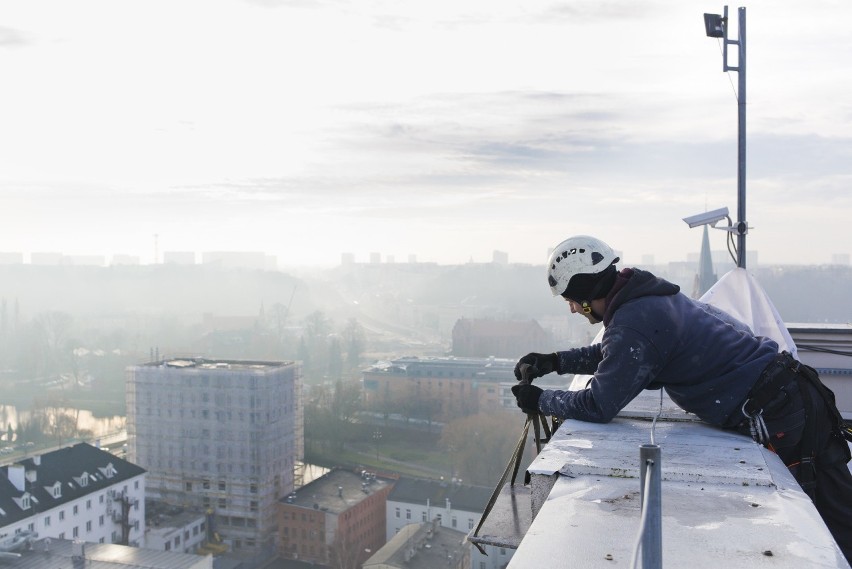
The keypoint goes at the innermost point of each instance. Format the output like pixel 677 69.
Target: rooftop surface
pixel 462 497
pixel 337 491
pixel 726 501
pixel 162 517
pixel 421 546
pixel 58 554
pixel 823 327
pixel 201 363
pixel 66 467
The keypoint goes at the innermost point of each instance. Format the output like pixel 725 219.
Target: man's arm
pixel 628 365
pixel 583 360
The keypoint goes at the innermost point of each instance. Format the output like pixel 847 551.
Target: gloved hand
pixel 527 395
pixel 540 364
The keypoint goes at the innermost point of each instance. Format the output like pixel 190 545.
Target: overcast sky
pixel 441 128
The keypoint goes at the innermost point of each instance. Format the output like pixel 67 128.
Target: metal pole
pixel 652 538
pixel 742 227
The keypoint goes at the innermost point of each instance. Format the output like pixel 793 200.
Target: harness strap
pixel 806 475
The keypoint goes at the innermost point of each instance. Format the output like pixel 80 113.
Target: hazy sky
pixel 441 128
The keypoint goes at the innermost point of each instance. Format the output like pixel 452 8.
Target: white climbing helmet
pixel 578 255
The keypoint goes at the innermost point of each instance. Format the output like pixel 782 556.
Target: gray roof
pixel 337 491
pixel 217 364
pixel 462 497
pixel 63 466
pixel 58 554
pixel 432 546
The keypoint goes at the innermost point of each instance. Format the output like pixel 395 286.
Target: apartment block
pixel 337 517
pixel 439 387
pixel 217 435
pixel 76 493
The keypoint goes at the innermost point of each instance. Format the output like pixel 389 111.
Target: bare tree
pixel 317 327
pixel 52 329
pixel 481 445
pixel 355 339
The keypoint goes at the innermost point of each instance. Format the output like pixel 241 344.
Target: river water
pixel 115 428
pixel 99 426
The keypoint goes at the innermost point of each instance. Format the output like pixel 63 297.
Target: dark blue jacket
pixel 655 337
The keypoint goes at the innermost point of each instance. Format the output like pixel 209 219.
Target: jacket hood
pixel 635 283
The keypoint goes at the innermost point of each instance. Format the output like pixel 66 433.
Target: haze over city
pixel 446 130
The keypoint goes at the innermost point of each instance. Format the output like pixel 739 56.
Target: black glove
pixel 540 364
pixel 527 395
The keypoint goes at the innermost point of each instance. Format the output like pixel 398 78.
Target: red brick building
pixel 478 338
pixel 336 520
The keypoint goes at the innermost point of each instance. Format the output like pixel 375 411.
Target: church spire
pixel 705 278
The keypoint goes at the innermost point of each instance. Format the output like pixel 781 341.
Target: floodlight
pixel 710 218
pixel 714 25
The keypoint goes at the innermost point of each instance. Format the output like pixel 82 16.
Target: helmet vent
pixel 551 280
pixel 596 257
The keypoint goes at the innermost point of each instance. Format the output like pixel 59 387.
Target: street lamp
pixel 716 26
pixel 377 436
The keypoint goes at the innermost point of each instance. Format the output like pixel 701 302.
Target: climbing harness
pixel 771 392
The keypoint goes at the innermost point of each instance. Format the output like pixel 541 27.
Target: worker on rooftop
pixel 709 363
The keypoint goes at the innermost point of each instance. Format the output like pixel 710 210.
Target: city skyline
pixel 447 130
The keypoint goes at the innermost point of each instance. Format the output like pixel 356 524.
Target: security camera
pixel 710 218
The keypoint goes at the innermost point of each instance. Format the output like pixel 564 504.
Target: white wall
pixel 181 538
pixel 459 520
pixel 89 517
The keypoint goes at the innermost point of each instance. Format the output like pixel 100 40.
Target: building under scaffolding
pixel 224 437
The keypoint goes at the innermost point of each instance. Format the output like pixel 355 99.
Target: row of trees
pixel 53 344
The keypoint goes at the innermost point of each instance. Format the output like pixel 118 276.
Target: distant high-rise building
pixel 125 260
pixel 840 259
pixel 179 258
pixel 237 260
pixel 347 258
pixel 412 259
pixel 222 436
pixel 375 258
pixel 84 260
pixel 647 260
pixel 11 258
pixel 500 258
pixel 52 259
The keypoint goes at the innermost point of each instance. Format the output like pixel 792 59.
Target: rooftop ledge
pixel 725 499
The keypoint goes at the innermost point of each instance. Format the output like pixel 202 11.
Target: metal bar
pixel 652 537
pixel 742 226
pixel 725 41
